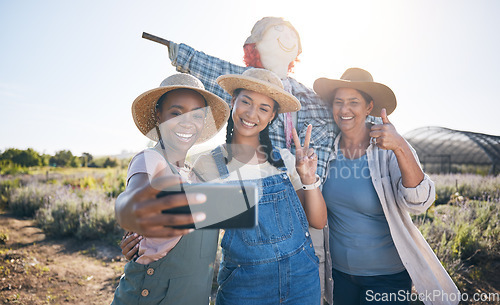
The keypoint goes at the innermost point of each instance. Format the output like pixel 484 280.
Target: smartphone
pixel 228 205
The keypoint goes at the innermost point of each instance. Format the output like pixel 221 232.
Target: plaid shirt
pixel 207 68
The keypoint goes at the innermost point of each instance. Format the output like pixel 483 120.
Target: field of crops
pixel 463 226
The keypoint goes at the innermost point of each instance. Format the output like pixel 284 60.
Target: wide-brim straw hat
pixel 362 80
pixel 262 81
pixel 144 106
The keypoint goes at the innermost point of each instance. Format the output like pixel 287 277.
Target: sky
pixel 70 70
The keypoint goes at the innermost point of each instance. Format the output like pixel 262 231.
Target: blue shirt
pixel 360 240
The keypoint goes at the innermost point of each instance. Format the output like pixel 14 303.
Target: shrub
pixel 6 188
pixel 7 167
pixel 4 237
pixel 485 188
pixel 83 214
pixel 465 236
pixel 26 200
pixel 97 218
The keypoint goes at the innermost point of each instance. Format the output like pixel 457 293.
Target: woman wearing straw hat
pixel 173 267
pixel 373 180
pixel 273 263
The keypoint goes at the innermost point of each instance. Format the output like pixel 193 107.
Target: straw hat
pixel 359 79
pixel 264 24
pixel 262 81
pixel 144 106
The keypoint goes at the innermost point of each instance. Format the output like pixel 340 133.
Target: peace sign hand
pixel 306 160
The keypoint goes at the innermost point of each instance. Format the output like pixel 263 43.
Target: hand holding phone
pixel 227 205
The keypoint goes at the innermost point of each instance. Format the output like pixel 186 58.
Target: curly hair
pixel 251 58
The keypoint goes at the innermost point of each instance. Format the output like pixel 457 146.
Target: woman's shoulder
pixel 203 160
pixel 205 166
pixel 147 162
pixel 288 158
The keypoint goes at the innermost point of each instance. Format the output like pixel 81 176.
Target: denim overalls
pixel 273 263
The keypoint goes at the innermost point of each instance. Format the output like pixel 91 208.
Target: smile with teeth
pixel 248 124
pixel 347 117
pixel 184 136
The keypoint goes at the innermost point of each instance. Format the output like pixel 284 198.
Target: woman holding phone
pixel 270 263
pixel 173 265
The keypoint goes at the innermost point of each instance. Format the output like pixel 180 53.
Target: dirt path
pixel 39 270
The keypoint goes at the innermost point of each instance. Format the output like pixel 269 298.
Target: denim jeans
pixel 292 280
pixel 381 289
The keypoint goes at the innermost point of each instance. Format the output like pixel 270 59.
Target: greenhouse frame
pixel 444 150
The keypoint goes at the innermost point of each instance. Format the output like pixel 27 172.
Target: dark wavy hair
pixel 264 139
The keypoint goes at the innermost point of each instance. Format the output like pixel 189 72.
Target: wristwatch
pixel 312 186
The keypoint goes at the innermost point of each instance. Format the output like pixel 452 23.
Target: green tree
pixel 46 159
pixel 64 158
pixel 86 159
pixel 110 162
pixel 25 158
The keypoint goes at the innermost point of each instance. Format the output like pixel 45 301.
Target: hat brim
pixel 144 112
pixel 286 101
pixel 383 96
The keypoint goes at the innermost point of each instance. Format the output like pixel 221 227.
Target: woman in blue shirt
pixel 372 182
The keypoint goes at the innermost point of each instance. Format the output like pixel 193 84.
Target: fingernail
pixel 135 234
pixel 200 198
pixel 200 216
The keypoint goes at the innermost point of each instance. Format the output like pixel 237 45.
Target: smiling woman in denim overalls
pixel 273 263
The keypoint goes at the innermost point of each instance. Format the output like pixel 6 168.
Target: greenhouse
pixel 443 150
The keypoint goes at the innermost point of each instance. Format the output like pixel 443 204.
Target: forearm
pixel 120 208
pixel 411 173
pixel 314 207
pixel 203 66
pixel 124 204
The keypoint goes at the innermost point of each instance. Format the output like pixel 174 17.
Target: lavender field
pixel 463 226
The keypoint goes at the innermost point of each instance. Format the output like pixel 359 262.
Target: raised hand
pixel 306 160
pixel 385 135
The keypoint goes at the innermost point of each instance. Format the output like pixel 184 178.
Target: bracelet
pixel 312 186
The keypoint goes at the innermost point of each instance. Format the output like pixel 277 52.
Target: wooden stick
pixel 156 39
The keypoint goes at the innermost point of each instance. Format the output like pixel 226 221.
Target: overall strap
pixel 220 162
pixel 276 156
pixel 224 172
